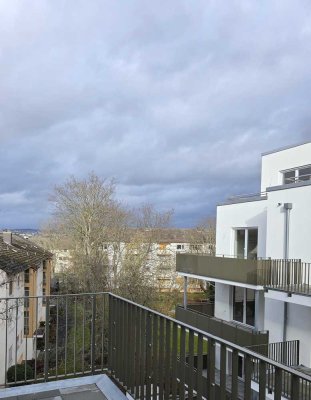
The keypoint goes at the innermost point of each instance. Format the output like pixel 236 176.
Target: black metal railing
pixel 150 355
pixel 286 353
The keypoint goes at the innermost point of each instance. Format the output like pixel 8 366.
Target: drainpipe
pixel 287 208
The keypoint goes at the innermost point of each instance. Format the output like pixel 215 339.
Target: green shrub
pixel 20 372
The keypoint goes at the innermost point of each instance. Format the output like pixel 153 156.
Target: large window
pixel 246 242
pixel 244 305
pixel 297 175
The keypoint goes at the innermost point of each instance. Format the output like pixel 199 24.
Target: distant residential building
pixel 25 271
pixel 160 249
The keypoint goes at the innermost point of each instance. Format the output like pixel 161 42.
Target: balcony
pixel 143 353
pixel 291 276
pixel 222 268
pixel 231 331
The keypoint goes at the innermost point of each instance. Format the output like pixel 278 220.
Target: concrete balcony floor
pixel 98 387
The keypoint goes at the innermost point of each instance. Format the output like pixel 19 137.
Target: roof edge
pixel 284 148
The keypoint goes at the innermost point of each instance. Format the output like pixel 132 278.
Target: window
pixel 244 305
pixel 304 174
pixel 44 298
pixel 10 288
pixel 246 242
pixel 289 177
pixel 180 247
pixel 297 175
pixel 26 276
pixel 26 294
pixel 26 322
pixel 196 247
pixel 44 278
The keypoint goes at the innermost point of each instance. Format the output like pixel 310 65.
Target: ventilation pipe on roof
pixel 7 237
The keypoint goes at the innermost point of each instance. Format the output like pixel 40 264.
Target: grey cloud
pixel 175 100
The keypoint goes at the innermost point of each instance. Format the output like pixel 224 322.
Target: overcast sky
pixel 175 99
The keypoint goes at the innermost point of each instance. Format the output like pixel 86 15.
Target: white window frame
pixel 246 229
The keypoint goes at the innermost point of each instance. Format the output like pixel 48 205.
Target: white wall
pixel 274 319
pixel 300 223
pixel 299 328
pixel 272 164
pixel 223 301
pixel 240 215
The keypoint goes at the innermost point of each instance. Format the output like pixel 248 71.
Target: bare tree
pixel 113 247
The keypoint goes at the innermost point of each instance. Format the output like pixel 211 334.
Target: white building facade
pixel 262 267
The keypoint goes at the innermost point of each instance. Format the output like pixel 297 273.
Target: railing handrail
pixel 219 340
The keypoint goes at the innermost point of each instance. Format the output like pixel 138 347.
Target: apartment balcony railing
pixel 291 276
pixel 286 353
pixel 220 267
pixel 231 331
pixel 287 275
pixel 149 355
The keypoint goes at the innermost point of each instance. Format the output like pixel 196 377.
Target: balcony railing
pixel 149 355
pixel 227 268
pixel 232 331
pixel 286 353
pixel 287 275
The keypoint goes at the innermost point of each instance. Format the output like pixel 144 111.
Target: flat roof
pixel 284 148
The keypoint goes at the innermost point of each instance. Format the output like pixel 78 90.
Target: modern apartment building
pixel 262 269
pixel 25 271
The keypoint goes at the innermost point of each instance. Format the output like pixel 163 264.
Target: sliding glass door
pixel 246 243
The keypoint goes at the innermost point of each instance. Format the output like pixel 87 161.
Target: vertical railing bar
pixel 83 334
pixel 93 333
pixel 143 353
pixel 102 332
pixel 247 377
pixel 211 369
pixel 295 389
pixel 277 384
pixel 126 347
pixel 182 362
pixel 66 332
pixel 6 340
pixel 262 380
pixel 199 366
pixel 223 367
pixel 131 347
pixel 36 338
pixel 46 338
pixel 56 340
pixel 191 365
pixel 174 360
pixel 234 374
pixel 148 319
pixel 74 335
pixel 26 355
pixel 16 329
pixel 138 353
pixel 161 358
pixel 167 381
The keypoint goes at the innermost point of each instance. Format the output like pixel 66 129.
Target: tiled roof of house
pixel 20 254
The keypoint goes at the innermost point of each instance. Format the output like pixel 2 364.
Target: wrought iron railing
pixel 150 355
